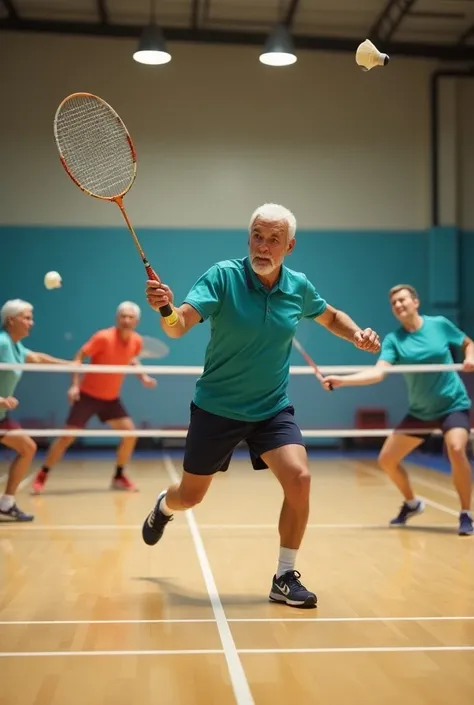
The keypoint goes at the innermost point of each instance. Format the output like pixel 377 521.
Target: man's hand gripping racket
pixel 98 154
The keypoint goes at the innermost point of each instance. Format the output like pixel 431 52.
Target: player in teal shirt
pixel 16 318
pixel 436 399
pixel 253 305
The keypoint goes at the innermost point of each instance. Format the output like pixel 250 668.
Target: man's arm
pixel 78 359
pixel 342 325
pixel 468 352
pixel 145 379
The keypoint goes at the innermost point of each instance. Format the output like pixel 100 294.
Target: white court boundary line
pixel 187 652
pixel 240 685
pixel 244 620
pixel 18 526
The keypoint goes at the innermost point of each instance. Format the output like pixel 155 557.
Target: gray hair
pixel 13 308
pixel 275 213
pixel 129 304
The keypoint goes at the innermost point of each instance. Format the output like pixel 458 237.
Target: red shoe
pixel 123 483
pixel 39 482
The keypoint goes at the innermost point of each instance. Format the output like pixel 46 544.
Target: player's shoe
pixel 466 527
pixel 15 514
pixel 39 482
pixel 406 513
pixel 123 483
pixel 289 589
pixel 155 523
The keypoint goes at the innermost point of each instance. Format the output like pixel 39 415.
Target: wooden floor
pixel 89 614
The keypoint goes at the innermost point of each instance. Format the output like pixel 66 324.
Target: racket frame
pixel 167 312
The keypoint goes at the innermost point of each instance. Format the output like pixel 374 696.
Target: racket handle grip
pixel 166 312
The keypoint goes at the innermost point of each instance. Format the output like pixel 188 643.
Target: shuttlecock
pixel 52 280
pixel 368 56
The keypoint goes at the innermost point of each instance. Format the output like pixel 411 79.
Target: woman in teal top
pixel 436 399
pixel 16 322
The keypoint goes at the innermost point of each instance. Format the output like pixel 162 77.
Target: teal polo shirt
pixel 247 361
pixel 10 352
pixel 430 394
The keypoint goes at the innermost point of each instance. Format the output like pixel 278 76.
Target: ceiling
pixel 441 29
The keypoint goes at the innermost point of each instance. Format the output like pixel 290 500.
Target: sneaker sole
pixel 308 603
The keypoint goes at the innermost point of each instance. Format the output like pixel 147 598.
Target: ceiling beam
pixel 389 20
pixel 291 13
pixel 213 36
pixel 11 9
pixel 102 10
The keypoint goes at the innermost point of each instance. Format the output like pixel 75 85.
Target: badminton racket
pixel 98 154
pixel 153 348
pixel 310 361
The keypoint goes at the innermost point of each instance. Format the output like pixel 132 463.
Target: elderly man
pixel 16 320
pixel 254 305
pixel 436 399
pixel 99 393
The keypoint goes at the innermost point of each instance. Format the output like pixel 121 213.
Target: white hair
pixel 13 308
pixel 274 213
pixel 129 304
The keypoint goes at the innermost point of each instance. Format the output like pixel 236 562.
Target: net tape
pixel 198 369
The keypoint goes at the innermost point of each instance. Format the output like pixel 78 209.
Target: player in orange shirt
pixel 99 393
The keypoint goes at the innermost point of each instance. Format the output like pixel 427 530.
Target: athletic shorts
pixel 7 424
pixel 212 439
pixel 410 425
pixel 87 406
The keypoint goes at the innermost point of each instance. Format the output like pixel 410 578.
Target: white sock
pixel 286 560
pixel 412 503
pixel 164 509
pixel 6 502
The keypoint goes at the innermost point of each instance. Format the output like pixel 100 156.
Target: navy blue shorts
pixel 212 439
pixel 411 426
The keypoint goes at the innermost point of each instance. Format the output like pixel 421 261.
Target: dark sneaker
pixel 15 514
pixel 288 588
pixel 466 527
pixel 406 513
pixel 154 524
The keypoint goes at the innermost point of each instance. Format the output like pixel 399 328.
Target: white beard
pixel 263 269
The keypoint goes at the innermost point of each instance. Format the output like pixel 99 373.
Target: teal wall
pixel 100 267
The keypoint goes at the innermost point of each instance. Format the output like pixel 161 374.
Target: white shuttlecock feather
pixel 368 56
pixel 53 280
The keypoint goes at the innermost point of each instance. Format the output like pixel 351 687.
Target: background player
pixel 17 320
pixel 436 399
pixel 99 394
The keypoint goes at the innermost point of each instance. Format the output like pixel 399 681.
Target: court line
pixel 436 505
pixel 244 620
pixel 357 649
pixel 240 685
pixel 135 527
pixel 149 652
pixel 187 652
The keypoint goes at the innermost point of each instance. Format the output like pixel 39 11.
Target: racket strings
pixel 94 144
